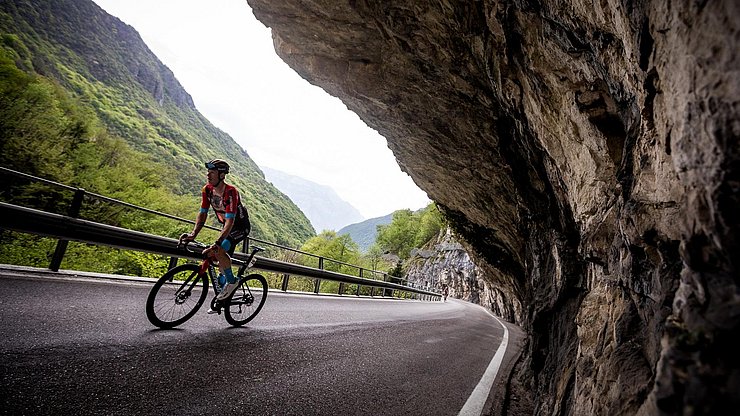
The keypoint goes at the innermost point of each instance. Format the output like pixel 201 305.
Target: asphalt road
pixel 77 347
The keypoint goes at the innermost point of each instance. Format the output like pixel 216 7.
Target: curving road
pixel 84 346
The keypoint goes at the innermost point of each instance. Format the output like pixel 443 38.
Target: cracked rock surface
pixel 588 155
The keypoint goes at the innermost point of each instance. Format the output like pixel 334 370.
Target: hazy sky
pixel 224 58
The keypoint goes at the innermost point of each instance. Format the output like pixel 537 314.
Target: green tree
pixel 329 245
pixel 373 260
pixel 398 236
pixel 409 230
pixel 430 223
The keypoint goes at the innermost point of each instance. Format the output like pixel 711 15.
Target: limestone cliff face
pixel 444 261
pixel 587 153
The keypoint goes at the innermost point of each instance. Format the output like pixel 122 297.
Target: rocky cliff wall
pixel 444 262
pixel 586 152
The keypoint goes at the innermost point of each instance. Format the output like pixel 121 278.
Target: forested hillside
pixel 84 102
pixel 365 232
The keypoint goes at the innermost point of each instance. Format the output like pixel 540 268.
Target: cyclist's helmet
pixel 218 164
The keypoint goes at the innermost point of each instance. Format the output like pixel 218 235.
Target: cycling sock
pixel 229 276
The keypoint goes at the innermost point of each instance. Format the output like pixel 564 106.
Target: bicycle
pixel 181 291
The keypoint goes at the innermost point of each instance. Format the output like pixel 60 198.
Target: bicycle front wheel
pixel 246 301
pixel 176 296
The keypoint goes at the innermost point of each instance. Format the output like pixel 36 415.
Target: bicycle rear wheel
pixel 246 301
pixel 176 296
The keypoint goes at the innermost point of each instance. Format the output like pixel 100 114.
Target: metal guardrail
pixel 88 231
pixel 28 220
pixel 80 194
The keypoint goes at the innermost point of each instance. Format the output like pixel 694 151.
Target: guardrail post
pixel 388 278
pixel 74 212
pixel 341 288
pixel 317 284
pixel 358 285
pixel 284 286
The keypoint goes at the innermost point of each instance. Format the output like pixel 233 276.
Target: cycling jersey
pixel 226 206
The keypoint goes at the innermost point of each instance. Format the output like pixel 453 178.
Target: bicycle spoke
pixel 176 297
pixel 170 309
pixel 247 300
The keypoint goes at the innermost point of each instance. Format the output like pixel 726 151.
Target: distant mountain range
pixel 320 203
pixel 364 233
pixel 325 209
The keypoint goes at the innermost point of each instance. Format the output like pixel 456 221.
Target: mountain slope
pixel 321 204
pixel 364 233
pixel 125 93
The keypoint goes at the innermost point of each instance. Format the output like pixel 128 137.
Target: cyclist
pixel 226 203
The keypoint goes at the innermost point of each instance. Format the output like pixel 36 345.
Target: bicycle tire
pixel 169 304
pixel 246 301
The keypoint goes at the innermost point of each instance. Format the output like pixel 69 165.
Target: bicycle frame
pixel 207 266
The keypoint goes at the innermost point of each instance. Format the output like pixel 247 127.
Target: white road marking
pixel 477 399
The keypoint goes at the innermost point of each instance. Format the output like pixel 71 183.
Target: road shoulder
pixel 500 391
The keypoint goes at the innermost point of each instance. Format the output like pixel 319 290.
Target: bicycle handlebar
pixel 184 245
